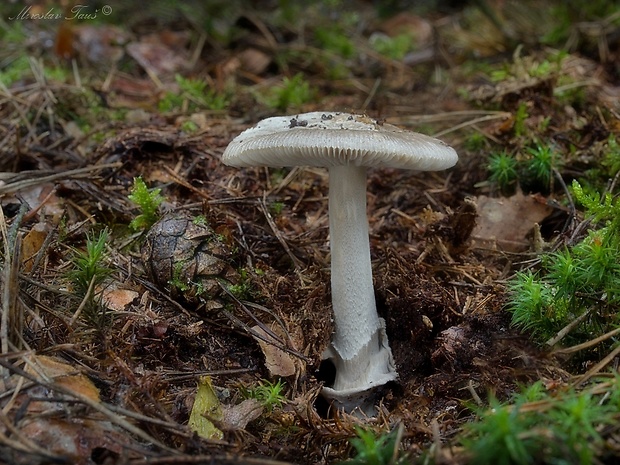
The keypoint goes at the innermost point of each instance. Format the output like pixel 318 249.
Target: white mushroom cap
pixel 332 139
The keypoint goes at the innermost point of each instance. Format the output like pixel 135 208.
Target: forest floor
pixel 113 326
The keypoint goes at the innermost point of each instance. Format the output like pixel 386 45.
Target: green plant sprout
pixel 242 290
pixel 539 427
pixel 148 200
pixel 376 450
pixel 88 268
pixel 475 142
pixel 15 71
pixel 200 220
pixel 269 394
pixel 293 93
pixel 87 275
pixel 577 286
pixel 528 67
pixel 335 50
pixel 503 171
pixel 540 164
pixel 520 116
pixel 533 171
pixel 189 127
pixel 275 208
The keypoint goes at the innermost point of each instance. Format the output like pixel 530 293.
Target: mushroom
pixel 346 144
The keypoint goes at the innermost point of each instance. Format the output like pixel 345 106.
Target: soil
pixel 234 249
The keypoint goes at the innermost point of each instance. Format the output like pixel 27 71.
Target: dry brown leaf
pixel 158 58
pixel 117 299
pixel 278 362
pixel 504 223
pixel 63 374
pixel 42 198
pixel 32 243
pixel 74 439
pixel 237 417
pixel 57 425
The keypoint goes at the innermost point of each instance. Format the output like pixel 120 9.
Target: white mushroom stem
pixel 359 347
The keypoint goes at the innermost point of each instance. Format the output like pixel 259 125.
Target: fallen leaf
pixel 205 411
pixel 504 223
pixel 75 439
pixel 53 421
pixel 62 374
pixel 238 416
pixel 117 299
pixel 32 243
pixel 132 92
pixel 42 198
pixel 157 57
pixel 277 361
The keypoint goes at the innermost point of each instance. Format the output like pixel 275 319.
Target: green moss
pixel 335 40
pixel 88 267
pixel 178 282
pixel 15 71
pixel 269 394
pixel 148 200
pixel 292 93
pixel 503 171
pixel 395 47
pixel 475 142
pixel 576 284
pixel 193 95
pixel 376 449
pixel 536 426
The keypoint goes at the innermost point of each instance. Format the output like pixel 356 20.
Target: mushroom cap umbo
pixel 332 139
